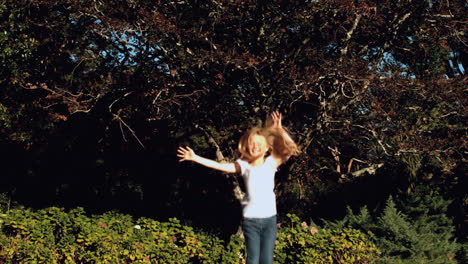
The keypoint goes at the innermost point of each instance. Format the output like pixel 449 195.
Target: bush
pixel 301 244
pixel 54 236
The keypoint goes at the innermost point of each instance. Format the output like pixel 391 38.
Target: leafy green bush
pixel 299 243
pixel 54 236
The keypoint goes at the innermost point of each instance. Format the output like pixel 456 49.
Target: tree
pixel 113 88
pixel 417 230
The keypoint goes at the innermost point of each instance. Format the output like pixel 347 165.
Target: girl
pixel 258 171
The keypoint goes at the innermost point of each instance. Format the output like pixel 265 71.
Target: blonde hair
pixel 244 143
pixel 279 142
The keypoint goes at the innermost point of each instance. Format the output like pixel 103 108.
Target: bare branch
pixel 219 155
pixel 130 129
pixel 376 136
pixel 238 193
pixel 344 50
pixel 371 170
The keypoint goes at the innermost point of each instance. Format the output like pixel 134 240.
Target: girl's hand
pixel 185 154
pixel 276 118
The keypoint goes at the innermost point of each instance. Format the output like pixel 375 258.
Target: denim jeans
pixel 260 237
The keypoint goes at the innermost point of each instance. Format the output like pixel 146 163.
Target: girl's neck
pixel 257 162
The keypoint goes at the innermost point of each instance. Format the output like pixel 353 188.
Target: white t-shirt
pixel 260 199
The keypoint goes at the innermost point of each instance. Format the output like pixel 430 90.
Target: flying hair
pixel 278 139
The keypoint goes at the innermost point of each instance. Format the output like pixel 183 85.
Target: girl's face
pixel 257 146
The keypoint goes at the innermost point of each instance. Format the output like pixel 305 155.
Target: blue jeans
pixel 260 237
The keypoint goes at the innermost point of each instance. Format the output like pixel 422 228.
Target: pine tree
pixel 415 229
pixel 395 233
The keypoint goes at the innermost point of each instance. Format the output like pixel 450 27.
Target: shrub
pixel 54 236
pixel 301 244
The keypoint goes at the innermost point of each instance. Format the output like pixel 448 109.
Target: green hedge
pixel 299 243
pixel 53 235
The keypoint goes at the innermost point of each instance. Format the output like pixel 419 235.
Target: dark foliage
pixel 97 95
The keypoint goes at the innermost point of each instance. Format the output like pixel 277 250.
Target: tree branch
pixel 344 50
pixel 371 170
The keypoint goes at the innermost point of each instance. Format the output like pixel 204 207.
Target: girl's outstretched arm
pixel 188 154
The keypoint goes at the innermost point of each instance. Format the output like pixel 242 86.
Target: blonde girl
pixel 262 151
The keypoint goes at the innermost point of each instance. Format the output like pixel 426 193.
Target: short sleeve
pixel 243 165
pixel 270 161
